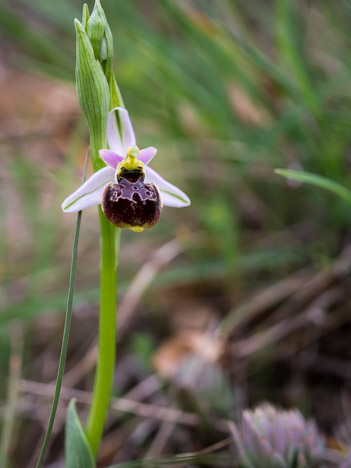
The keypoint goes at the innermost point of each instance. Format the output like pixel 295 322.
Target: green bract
pixel 85 16
pixel 115 94
pixel 92 91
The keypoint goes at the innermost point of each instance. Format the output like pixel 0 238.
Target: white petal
pixel 120 133
pixel 89 194
pixel 170 194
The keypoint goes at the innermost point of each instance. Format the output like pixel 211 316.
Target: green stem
pixel 110 237
pixel 109 247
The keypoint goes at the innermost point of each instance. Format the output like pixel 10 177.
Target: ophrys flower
pixel 131 193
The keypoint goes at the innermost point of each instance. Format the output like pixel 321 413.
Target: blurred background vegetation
pixel 242 297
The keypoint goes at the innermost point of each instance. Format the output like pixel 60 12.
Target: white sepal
pixel 170 194
pixel 89 194
pixel 120 133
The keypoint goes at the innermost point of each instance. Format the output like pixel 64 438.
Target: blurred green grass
pixel 227 91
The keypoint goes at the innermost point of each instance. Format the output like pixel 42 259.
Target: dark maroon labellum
pixel 131 203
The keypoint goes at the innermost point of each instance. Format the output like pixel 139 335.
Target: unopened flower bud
pixel 99 33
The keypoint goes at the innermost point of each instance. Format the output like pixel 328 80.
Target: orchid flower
pixel 131 193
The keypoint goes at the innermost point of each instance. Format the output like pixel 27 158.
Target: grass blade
pixel 318 181
pixel 15 364
pixel 66 330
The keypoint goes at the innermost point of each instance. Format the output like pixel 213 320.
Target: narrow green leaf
pixel 66 330
pixel 77 449
pixel 287 23
pixel 318 181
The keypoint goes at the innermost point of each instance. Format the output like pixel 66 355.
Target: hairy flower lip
pixel 120 136
pixel 131 203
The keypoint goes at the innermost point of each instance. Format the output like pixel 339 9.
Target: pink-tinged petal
pixel 170 194
pixel 120 133
pixel 111 158
pixel 89 194
pixel 147 154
